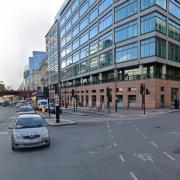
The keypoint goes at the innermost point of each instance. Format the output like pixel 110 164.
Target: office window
pixel 93 14
pixel 68 13
pixel 152 47
pixel 75 57
pixel 68 37
pixel 126 53
pixel 69 49
pixel 75 18
pixel 76 44
pixel 104 4
pixel 126 31
pixel 68 26
pixel 93 31
pixel 83 8
pixel 63 53
pixel 173 52
pixel 105 41
pixel 125 10
pixel 83 23
pixel 105 22
pixel 77 69
pixel 84 38
pixel 93 48
pixel 148 3
pixel 84 66
pixel 74 5
pixel 148 47
pixel 69 60
pixel 91 2
pixel 63 42
pixel 63 64
pixel 174 30
pixel 93 63
pixel 106 59
pixel 75 31
pixel 160 48
pixel 84 52
pixel 63 31
pixel 63 19
pixel 174 8
pixel 153 21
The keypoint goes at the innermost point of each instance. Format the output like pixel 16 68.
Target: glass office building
pixel 120 44
pixel 35 63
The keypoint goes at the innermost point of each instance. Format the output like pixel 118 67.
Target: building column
pixel 74 82
pixel 100 77
pixel 141 70
pixel 81 81
pixel 163 71
pixel 91 79
pixel 114 92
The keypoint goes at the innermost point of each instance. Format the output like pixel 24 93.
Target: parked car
pixel 18 104
pixel 29 131
pixel 26 110
pixel 51 107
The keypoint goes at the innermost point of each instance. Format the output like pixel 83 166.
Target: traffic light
pixel 142 89
pixel 108 92
pixel 72 93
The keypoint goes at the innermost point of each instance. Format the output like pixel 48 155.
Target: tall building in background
pixel 26 78
pixel 118 45
pixel 34 64
pixel 53 57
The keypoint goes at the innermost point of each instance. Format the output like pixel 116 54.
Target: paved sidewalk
pixel 122 112
pixel 52 120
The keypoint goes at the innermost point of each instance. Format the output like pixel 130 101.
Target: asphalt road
pixel 97 148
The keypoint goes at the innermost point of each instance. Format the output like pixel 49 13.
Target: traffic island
pixel 63 122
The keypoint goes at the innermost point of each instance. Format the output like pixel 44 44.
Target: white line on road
pixel 13 117
pixel 133 176
pixel 121 158
pixel 109 130
pixel 3 133
pixel 112 137
pixel 144 136
pixel 137 129
pixel 169 156
pixel 114 144
pixel 154 144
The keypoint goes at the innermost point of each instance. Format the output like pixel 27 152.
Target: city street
pixel 98 147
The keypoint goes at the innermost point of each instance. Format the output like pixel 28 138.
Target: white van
pixel 41 103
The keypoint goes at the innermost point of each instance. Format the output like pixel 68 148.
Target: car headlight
pixel 17 135
pixel 45 133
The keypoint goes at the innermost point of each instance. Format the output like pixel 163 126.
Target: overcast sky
pixel 23 26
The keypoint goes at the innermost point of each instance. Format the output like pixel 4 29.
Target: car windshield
pixel 29 122
pixel 43 103
pixel 25 109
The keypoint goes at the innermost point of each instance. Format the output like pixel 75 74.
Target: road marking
pixel 112 137
pixel 107 123
pixel 144 136
pixel 13 117
pixel 121 158
pixel 154 144
pixel 109 130
pixel 137 129
pixel 114 144
pixel 3 133
pixel 169 156
pixel 133 176
pixel 144 156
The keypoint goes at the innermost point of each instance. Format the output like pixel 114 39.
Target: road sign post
pixel 56 97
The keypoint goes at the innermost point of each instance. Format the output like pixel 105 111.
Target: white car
pixel 29 131
pixel 26 110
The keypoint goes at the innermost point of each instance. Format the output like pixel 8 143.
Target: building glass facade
pixel 105 40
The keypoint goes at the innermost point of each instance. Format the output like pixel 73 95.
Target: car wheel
pixel 13 148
